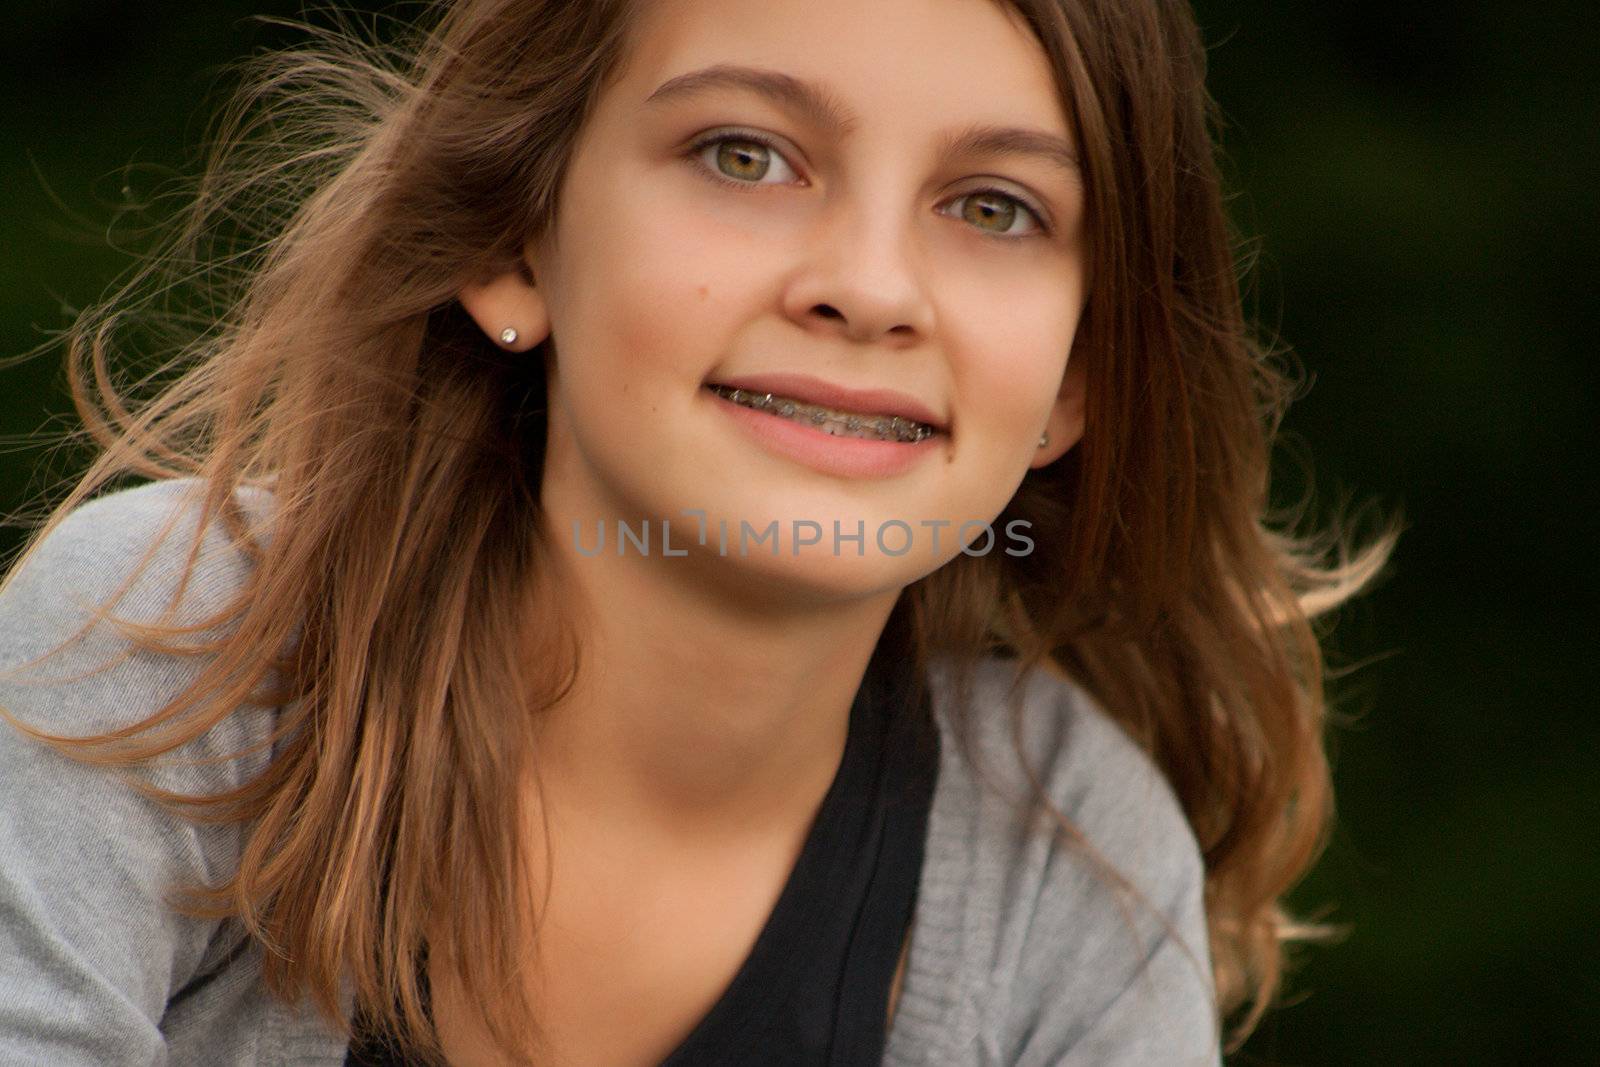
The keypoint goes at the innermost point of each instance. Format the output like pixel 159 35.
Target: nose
pixel 861 278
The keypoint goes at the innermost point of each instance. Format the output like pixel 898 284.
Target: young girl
pixel 692 531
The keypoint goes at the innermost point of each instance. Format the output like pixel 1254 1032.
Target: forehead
pixel 956 61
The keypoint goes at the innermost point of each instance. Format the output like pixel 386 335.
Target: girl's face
pixel 872 196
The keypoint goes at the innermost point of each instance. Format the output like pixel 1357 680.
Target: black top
pixel 814 990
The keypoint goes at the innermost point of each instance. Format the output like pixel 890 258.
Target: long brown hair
pixel 355 187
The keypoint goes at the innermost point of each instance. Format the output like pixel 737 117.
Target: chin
pixel 816 578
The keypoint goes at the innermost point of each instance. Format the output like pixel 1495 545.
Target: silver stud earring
pixel 508 336
pixel 1044 439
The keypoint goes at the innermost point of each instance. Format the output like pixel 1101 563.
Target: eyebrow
pixel 821 108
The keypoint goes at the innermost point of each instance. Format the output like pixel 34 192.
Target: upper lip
pixel 816 391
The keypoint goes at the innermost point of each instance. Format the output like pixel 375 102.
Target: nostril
pixel 828 312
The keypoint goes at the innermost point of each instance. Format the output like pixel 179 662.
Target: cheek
pixel 658 284
pixel 1014 342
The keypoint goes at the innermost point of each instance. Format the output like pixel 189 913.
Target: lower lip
pixel 846 457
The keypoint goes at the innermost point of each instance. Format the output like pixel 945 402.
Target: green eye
pixel 994 212
pixel 745 160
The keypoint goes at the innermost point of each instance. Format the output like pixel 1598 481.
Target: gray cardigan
pixel 1019 954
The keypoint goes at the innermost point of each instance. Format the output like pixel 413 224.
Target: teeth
pixel 838 423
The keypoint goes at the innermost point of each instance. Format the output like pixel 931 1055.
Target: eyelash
pixel 703 143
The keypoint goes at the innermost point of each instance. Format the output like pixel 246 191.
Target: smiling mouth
pixel 830 420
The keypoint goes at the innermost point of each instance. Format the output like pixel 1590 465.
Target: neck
pixel 704 709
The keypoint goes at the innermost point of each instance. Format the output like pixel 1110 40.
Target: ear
pixel 1065 425
pixel 513 301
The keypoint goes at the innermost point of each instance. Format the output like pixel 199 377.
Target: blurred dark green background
pixel 1423 179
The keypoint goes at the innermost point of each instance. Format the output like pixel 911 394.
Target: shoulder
pixel 86 863
pixel 1086 764
pixel 102 680
pixel 97 545
pixel 1056 948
